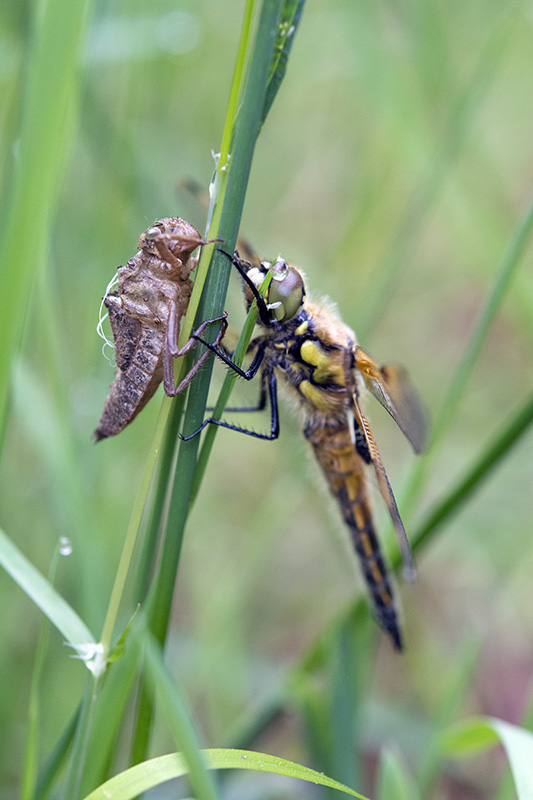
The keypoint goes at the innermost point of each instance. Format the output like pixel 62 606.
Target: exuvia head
pixel 286 293
pixel 175 233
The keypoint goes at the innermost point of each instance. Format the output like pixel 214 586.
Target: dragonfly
pixel 145 313
pixel 306 345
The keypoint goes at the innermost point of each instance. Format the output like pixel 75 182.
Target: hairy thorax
pixel 314 353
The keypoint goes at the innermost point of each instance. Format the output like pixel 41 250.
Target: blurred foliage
pixel 394 167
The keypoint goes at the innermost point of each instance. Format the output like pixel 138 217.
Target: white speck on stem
pixel 92 653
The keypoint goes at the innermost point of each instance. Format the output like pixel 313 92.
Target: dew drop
pixel 65 546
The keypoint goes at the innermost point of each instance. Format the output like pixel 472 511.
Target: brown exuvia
pixel 145 313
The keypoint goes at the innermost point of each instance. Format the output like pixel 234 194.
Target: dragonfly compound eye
pixel 286 293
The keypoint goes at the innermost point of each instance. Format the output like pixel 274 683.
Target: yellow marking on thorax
pixel 301 329
pixel 325 368
pixel 318 397
pixel 313 354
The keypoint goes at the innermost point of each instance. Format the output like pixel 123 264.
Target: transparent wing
pixel 385 490
pixel 392 387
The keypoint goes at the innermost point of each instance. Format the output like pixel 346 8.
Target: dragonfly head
pixel 286 293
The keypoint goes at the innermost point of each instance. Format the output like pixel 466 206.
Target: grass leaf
pixel 151 773
pixel 290 18
pixel 180 720
pixel 394 781
pixel 475 476
pixel 468 737
pixel 43 594
pixel 478 734
pixel 46 131
pixel 518 744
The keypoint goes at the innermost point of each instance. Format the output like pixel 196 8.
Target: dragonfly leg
pixel 171 352
pixel 243 272
pixel 247 374
pixel 274 416
pixel 261 403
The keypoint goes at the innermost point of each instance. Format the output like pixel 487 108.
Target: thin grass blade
pixel 290 19
pixel 478 734
pixel 394 780
pixel 110 715
pixel 47 125
pixel 245 129
pixel 31 755
pixel 457 387
pixel 453 694
pixel 48 774
pixel 472 481
pixel 227 387
pixel 43 594
pixel 432 181
pixel 179 718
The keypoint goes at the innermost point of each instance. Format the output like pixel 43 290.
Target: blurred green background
pixel 393 168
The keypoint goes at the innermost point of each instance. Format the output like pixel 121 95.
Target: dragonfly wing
pixel 385 490
pixel 391 386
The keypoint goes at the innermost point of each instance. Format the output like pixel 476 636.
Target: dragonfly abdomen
pixel 344 469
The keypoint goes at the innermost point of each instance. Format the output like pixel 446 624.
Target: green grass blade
pixel 225 392
pixel 394 780
pixel 77 635
pixel 43 594
pixel 468 737
pixel 433 179
pixel 222 172
pixel 148 556
pixel 29 773
pixel 245 129
pixel 46 131
pixel 518 744
pixel 290 19
pixel 459 494
pixel 55 762
pixel 179 718
pixel 478 734
pixel 152 773
pixel 453 694
pixel 247 126
pixel 81 739
pixel 508 265
pixel 315 720
pixel 132 534
pixel 110 715
pixel 347 663
pixel 165 437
